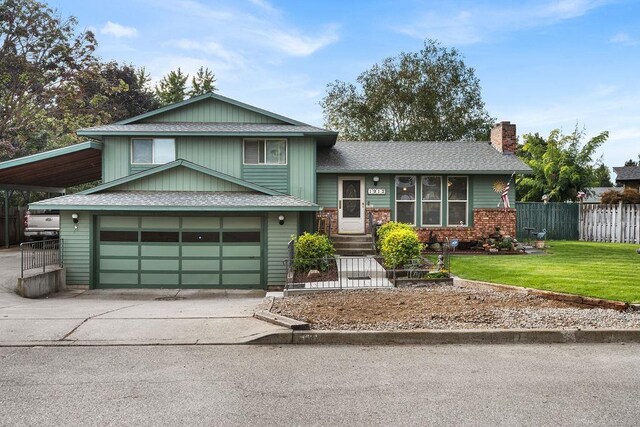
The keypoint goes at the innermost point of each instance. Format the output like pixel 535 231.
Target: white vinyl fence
pixel 610 223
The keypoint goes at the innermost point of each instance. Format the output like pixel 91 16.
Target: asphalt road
pixel 331 385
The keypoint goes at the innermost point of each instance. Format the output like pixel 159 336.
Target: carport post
pixel 6 219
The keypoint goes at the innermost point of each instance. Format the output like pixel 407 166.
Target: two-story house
pixel 207 193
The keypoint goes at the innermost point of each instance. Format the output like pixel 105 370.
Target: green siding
pixel 76 244
pixel 275 177
pixel 116 157
pixel 211 110
pixel 483 194
pixel 180 179
pixel 302 171
pixel 382 200
pixel 327 190
pixel 278 237
pixel 222 154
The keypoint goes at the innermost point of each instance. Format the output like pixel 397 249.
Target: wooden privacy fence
pixel 16 225
pixel 610 223
pixel 561 220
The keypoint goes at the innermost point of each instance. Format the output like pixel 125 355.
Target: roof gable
pixel 211 108
pixel 180 178
pixel 168 176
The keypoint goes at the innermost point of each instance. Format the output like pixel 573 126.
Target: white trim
pixel 414 201
pixel 264 141
pixel 423 201
pixel 466 201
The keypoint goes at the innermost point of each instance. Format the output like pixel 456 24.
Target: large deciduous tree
pixel 562 165
pixel 42 61
pixel 425 95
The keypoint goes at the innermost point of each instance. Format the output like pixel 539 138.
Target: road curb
pixel 432 337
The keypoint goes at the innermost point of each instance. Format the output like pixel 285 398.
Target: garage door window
pixel 241 237
pixel 200 237
pixel 160 236
pixel 119 236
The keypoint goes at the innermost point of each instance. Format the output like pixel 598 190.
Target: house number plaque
pixel 376 191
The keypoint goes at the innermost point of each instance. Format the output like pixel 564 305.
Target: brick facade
pixel 503 137
pixel 485 222
pixel 380 216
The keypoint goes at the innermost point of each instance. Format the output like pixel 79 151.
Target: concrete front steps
pixel 352 244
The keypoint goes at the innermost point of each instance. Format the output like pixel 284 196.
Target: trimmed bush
pixel 399 246
pixel 627 196
pixel 387 228
pixel 311 252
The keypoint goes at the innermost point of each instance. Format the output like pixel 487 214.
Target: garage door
pixel 179 252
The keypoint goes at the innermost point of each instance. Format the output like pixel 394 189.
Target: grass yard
pixel 603 270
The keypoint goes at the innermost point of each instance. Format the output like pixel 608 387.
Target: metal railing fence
pixel 40 255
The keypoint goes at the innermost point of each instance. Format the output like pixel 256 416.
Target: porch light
pixel 74 217
pixel 376 179
pixel 281 219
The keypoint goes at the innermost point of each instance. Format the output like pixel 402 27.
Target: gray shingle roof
pixel 627 173
pixel 176 200
pixel 213 128
pixel 416 156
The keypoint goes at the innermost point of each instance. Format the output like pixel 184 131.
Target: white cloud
pixel 479 23
pixel 117 30
pixel 600 109
pixel 624 39
pixel 233 26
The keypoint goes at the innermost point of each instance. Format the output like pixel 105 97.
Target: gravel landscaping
pixel 445 307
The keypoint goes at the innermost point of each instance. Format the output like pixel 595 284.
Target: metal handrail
pixel 40 255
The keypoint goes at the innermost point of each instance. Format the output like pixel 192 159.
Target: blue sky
pixel 542 64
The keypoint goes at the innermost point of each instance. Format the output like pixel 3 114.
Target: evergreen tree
pixel 203 82
pixel 172 88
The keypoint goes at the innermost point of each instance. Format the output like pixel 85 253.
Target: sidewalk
pixel 133 317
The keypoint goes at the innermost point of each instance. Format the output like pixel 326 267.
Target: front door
pixel 351 205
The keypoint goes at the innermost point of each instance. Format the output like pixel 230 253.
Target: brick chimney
pixel 503 137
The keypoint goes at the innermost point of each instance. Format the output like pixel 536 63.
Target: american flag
pixel 505 194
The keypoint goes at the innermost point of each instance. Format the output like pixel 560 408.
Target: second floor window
pixel 265 151
pixel 154 151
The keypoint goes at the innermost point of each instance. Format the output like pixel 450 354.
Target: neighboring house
pixel 594 194
pixel 628 176
pixel 207 193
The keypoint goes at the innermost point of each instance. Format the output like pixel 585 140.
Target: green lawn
pixel 603 270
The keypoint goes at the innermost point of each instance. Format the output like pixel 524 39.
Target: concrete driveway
pixel 126 317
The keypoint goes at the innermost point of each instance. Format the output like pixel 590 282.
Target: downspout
pixel 6 219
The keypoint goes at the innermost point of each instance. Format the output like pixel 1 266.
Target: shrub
pixel 387 228
pixel 628 195
pixel 311 252
pixel 399 246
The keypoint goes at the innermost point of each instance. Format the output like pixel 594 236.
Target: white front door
pixel 351 205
